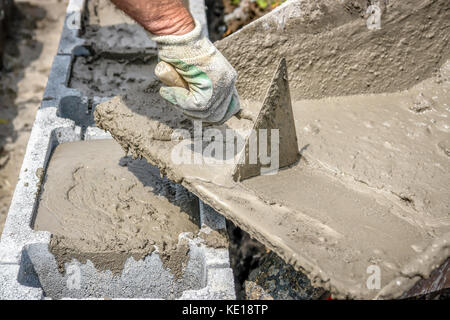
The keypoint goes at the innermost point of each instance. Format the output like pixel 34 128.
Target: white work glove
pixel 212 96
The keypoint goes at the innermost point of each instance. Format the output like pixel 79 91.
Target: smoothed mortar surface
pixel 103 206
pixel 397 144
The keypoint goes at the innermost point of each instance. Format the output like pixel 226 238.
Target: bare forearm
pixel 160 17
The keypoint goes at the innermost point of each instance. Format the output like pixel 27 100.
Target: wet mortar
pixel 104 206
pixel 107 29
pixel 104 76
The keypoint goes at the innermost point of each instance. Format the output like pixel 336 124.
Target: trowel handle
pixel 169 76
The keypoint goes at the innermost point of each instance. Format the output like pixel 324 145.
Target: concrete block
pixel 70 103
pixel 27 249
pixel 29 271
pixel 220 285
pixel 48 130
pixel 12 289
pixel 71 42
pixel 143 279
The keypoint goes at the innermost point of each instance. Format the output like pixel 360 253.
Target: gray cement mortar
pixel 343 220
pixel 28 270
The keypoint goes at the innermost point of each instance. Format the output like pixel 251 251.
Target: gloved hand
pixel 212 96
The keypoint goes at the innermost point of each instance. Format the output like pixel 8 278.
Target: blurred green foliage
pixel 263 4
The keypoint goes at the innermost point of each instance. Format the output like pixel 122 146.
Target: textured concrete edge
pixel 48 130
pixel 435 256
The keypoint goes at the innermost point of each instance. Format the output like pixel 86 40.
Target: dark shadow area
pixel 20 50
pixel 6 7
pixel 260 274
pixel 245 256
pixel 72 107
pixel 215 16
pixel 443 294
pixel 27 275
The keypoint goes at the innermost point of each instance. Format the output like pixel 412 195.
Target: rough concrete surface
pixel 363 193
pixel 107 29
pixel 100 76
